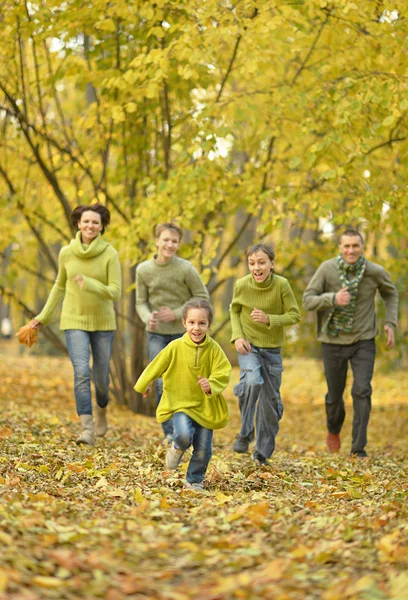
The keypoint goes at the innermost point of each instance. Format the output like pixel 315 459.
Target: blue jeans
pixel 79 344
pixel 156 342
pixel 259 389
pixel 187 432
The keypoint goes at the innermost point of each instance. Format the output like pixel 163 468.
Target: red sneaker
pixel 333 442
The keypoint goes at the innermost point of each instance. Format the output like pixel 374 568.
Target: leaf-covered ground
pixel 111 522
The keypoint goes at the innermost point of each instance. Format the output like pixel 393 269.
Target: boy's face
pixel 260 265
pixel 167 244
pixel 196 324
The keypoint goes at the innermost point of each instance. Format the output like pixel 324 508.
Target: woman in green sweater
pixel 195 372
pixel 262 305
pixel 89 282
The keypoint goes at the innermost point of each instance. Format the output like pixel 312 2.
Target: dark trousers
pixel 335 359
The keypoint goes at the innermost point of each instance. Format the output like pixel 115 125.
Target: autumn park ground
pixel 111 522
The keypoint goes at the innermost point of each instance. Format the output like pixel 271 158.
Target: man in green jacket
pixel 342 292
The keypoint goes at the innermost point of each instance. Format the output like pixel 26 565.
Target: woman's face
pixel 260 265
pixel 167 244
pixel 90 226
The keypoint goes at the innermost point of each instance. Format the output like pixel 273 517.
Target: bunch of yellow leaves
pixel 27 335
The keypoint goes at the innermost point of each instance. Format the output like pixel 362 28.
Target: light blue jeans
pixel 156 342
pixel 187 432
pixel 259 390
pixel 79 344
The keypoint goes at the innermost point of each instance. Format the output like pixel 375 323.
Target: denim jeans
pixel 335 359
pixel 259 390
pixel 187 432
pixel 79 344
pixel 156 342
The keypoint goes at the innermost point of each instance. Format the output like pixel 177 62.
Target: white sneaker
pixel 198 487
pixel 173 457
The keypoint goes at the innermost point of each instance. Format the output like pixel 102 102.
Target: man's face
pixel 351 248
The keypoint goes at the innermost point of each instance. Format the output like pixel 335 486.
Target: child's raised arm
pixel 154 370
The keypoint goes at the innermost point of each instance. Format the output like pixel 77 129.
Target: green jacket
pixel 89 309
pixel 321 292
pixel 179 364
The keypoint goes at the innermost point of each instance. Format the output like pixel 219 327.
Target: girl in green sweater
pixel 88 282
pixel 195 372
pixel 262 305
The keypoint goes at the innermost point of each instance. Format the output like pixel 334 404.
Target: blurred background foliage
pixel 244 121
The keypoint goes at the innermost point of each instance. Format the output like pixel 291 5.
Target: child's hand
pixel 147 393
pixel 205 384
pixel 259 316
pixel 152 323
pixel 243 346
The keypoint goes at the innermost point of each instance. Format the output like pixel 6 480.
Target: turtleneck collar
pixel 187 340
pixel 263 284
pixel 96 247
pixel 163 264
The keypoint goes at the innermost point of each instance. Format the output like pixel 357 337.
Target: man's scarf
pixel 341 317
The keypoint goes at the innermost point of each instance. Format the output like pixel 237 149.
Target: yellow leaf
pixel 222 498
pixel 50 583
pixel 138 496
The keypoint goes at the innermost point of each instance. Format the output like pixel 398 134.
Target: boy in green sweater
pixel 195 372
pixel 262 305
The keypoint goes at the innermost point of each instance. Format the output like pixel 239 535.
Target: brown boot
pixel 87 434
pixel 333 442
pixel 101 424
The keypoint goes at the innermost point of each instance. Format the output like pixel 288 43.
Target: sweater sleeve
pixel 154 370
pixel 235 311
pixel 389 294
pixel 220 372
pixel 112 290
pixel 196 288
pixel 291 314
pixel 142 294
pixel 314 297
pixel 57 292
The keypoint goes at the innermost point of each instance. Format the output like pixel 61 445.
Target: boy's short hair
pixel 199 303
pixel 269 251
pixel 163 226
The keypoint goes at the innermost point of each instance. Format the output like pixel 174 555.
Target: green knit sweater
pixel 274 297
pixel 89 309
pixel 171 284
pixel 180 363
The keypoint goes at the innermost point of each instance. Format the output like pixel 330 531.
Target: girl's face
pixel 167 244
pixel 260 265
pixel 196 324
pixel 90 225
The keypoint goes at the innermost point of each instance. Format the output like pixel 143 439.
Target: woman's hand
pixel 243 346
pixel 205 384
pixel 35 324
pixel 80 281
pixel 259 316
pixel 166 315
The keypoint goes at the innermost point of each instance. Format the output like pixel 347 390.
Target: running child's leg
pixel 247 391
pixel 183 433
pixel 270 407
pixel 202 452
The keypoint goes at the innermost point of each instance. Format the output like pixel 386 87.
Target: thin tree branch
pixel 311 50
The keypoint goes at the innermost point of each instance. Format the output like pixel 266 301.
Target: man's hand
pixel 243 346
pixel 259 316
pixel 152 322
pixel 166 315
pixel 205 384
pixel 343 297
pixel 390 336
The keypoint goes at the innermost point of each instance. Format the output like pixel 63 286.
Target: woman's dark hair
pixel 163 226
pixel 199 303
pixel 269 251
pixel 98 208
